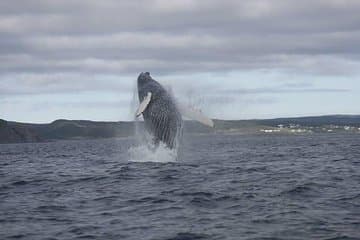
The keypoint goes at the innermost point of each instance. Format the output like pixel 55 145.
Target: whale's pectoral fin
pixel 196 115
pixel 143 104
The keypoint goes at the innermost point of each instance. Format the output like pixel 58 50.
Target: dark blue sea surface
pixel 220 187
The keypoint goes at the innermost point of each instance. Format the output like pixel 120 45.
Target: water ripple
pixel 222 187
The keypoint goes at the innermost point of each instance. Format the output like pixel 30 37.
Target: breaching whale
pixel 162 115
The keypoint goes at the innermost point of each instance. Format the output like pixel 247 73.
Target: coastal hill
pixel 15 132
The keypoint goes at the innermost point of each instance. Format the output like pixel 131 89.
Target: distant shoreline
pixel 16 132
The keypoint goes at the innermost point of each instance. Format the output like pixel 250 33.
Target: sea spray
pixel 144 153
pixel 145 150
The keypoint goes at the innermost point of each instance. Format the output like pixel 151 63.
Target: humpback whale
pixel 162 115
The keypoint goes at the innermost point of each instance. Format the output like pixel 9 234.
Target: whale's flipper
pixel 143 104
pixel 196 115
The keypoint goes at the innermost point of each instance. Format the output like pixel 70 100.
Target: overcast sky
pixel 234 59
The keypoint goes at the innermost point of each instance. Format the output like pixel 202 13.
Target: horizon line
pixel 215 119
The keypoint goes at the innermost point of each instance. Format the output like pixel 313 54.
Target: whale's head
pixel 143 79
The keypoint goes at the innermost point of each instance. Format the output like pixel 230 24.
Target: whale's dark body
pixel 162 118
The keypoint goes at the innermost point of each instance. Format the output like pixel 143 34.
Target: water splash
pixel 144 153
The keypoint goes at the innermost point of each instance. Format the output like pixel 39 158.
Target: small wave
pixel 203 202
pixel 196 194
pixel 307 189
pixel 256 169
pixel 83 231
pixel 227 198
pixel 21 182
pixel 150 199
pixel 188 236
pixel 168 178
pixel 160 154
pixel 343 237
pixel 83 179
pixel 17 236
pixel 106 198
pixel 349 198
pixel 51 208
pixel 25 182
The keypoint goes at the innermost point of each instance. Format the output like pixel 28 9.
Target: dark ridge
pixel 10 133
pixel 62 129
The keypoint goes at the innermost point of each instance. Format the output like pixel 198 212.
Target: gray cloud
pixel 279 90
pixel 62 83
pixel 87 47
pixel 83 105
pixel 125 37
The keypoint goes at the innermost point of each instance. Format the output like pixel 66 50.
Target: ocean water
pixel 218 187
